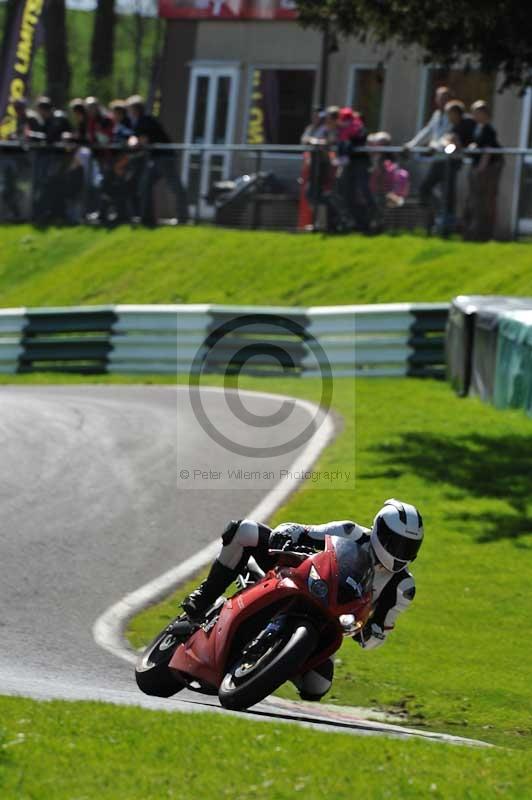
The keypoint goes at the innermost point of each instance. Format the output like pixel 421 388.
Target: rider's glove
pixel 371 636
pixel 280 541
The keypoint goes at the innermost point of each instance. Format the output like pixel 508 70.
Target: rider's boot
pixel 202 598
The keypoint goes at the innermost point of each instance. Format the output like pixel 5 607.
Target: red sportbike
pixel 277 626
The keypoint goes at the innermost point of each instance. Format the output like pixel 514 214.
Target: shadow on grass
pixel 489 467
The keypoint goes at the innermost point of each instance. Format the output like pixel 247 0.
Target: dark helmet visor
pixel 400 547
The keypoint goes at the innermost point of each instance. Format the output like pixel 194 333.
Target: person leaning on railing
pixel 14 160
pixel 354 169
pixel 484 177
pixel 389 182
pixel 147 130
pixel 48 163
pixel 122 173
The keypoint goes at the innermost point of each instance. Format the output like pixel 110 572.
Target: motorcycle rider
pixel 394 538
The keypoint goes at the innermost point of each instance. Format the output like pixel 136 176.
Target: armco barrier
pixel 12 322
pixel 396 339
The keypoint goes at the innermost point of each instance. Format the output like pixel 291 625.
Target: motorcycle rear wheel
pixel 152 673
pixel 271 671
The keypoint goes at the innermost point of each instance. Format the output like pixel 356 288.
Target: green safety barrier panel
pixel 513 371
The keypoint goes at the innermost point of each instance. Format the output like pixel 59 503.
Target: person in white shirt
pixel 437 126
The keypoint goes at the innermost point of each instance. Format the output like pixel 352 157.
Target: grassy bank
pixel 86 266
pixel 63 751
pixel 456 662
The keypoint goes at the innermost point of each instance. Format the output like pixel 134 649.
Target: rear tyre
pixel 249 681
pixel 152 673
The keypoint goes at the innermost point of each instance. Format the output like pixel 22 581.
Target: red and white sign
pixel 227 9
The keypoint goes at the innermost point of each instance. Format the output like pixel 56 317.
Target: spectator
pixel 65 185
pixel 99 134
pixel 444 168
pixel 15 160
pixel 332 115
pixel 99 123
pixel 79 114
pixel 354 168
pixel 316 164
pixel 389 182
pixel 462 125
pixel 121 173
pixel 460 136
pixel 122 126
pixel 316 129
pixel 51 125
pixel 438 124
pixel 148 130
pixel 484 177
pixel 27 121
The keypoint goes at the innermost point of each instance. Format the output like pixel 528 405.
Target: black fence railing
pixel 253 186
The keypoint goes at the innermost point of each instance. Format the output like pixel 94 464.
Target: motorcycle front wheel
pixel 253 677
pixel 152 673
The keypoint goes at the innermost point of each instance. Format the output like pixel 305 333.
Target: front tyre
pixel 152 673
pixel 253 677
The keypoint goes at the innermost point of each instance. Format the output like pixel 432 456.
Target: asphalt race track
pixel 93 506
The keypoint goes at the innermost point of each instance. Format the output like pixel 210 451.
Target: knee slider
pixel 247 533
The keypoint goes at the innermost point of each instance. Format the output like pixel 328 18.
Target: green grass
pixel 67 751
pixel 459 660
pixel 87 266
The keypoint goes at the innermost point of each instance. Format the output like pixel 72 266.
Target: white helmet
pixel 397 534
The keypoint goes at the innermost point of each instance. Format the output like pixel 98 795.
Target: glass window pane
pixel 222 110
pixel 367 95
pixel 280 105
pixel 200 111
pixel 466 86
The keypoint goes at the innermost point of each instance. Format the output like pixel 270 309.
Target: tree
pixel 102 46
pixel 495 35
pixel 56 49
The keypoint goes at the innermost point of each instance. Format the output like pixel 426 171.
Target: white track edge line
pixel 108 630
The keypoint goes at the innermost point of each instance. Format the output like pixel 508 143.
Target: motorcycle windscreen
pixel 356 568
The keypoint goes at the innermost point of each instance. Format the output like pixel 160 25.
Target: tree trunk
pixel 102 45
pixel 138 41
pixel 56 49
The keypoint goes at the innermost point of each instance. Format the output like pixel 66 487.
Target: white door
pixel 210 121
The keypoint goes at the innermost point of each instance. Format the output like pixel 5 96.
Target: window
pixel 280 105
pixel 466 85
pixel 366 91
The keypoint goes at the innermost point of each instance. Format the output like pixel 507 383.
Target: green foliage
pixel 94 751
pixel 91 266
pixel 496 32
pixel 79 30
pixel 458 661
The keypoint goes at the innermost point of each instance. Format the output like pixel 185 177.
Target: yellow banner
pixel 19 59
